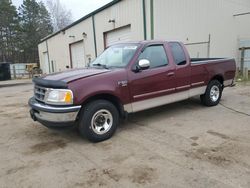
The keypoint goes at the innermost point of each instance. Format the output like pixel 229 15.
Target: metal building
pixel 209 28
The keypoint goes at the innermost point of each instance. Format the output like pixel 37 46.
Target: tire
pixel 213 93
pixel 98 120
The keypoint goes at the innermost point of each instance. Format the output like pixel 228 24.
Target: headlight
pixel 59 96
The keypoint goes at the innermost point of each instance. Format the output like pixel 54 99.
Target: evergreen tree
pixel 35 24
pixel 9 27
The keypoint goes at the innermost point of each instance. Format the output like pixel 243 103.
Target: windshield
pixel 117 56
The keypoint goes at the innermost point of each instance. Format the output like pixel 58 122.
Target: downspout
pixel 94 33
pixel 48 55
pixel 144 19
pixel 152 18
pixel 208 45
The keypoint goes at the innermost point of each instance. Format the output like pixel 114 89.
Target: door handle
pixel 170 74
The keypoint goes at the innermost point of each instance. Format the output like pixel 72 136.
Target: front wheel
pixel 98 120
pixel 213 93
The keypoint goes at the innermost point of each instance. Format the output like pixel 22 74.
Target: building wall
pixel 58 45
pixel 126 12
pixel 188 21
pixel 193 20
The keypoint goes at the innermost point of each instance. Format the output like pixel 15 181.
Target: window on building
pixel 156 55
pixel 178 53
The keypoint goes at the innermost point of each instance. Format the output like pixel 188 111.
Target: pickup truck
pixel 127 78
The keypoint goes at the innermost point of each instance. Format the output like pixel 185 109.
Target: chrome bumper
pixel 53 115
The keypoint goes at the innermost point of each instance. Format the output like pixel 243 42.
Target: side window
pixel 178 53
pixel 156 55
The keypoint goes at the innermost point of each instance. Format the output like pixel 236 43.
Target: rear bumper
pixel 53 116
pixel 229 83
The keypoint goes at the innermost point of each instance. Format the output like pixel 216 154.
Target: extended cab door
pixel 148 87
pixel 182 70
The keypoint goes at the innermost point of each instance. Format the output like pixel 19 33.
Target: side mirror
pixel 144 64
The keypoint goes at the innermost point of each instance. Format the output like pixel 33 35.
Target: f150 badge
pixel 123 83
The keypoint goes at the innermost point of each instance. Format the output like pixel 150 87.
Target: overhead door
pixel 118 35
pixel 77 55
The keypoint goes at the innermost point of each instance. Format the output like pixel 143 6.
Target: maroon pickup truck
pixel 127 78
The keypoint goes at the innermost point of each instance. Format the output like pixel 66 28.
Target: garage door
pixel 119 35
pixel 77 55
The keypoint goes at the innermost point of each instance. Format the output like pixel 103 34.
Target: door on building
pixel 245 44
pixel 122 34
pixel 77 55
pixel 46 68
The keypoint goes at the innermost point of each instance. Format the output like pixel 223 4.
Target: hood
pixel 75 74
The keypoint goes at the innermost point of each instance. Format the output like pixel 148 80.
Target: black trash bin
pixel 5 71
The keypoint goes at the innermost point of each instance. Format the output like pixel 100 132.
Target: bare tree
pixel 61 17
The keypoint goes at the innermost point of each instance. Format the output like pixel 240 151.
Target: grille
pixel 39 93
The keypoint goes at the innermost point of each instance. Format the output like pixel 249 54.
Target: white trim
pixel 228 82
pixel 197 83
pixel 153 93
pixel 197 91
pixel 166 99
pixel 168 90
pixel 183 87
pixel 210 61
pixel 128 108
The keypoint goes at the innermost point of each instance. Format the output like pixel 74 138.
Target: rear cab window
pixel 156 55
pixel 178 53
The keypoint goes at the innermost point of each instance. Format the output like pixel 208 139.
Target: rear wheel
pixel 98 120
pixel 213 93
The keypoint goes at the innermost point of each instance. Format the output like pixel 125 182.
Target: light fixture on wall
pixel 112 21
pixel 84 35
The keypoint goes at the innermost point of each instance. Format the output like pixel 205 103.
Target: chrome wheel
pixel 214 93
pixel 102 121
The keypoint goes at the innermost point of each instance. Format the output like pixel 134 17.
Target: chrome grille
pixel 39 93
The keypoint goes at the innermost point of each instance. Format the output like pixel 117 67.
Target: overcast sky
pixel 79 8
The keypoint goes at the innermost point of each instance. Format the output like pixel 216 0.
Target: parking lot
pixel 178 145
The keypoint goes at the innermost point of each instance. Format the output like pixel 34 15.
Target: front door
pixel 148 87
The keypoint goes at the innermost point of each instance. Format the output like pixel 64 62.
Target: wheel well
pixel 111 98
pixel 219 78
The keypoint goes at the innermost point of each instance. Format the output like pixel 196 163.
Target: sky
pixel 79 8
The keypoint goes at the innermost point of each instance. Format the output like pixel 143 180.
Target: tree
pixel 35 24
pixel 61 17
pixel 9 26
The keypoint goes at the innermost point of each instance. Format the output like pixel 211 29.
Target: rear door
pixel 182 70
pixel 148 87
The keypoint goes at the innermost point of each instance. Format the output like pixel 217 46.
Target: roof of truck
pixel 144 41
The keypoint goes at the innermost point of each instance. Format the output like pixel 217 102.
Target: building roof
pixel 82 19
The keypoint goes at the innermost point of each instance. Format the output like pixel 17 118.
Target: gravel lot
pixel 178 145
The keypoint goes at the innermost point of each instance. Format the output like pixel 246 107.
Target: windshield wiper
pixel 100 65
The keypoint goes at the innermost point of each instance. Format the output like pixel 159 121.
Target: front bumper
pixel 53 116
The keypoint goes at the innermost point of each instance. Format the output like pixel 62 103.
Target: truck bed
pixel 203 69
